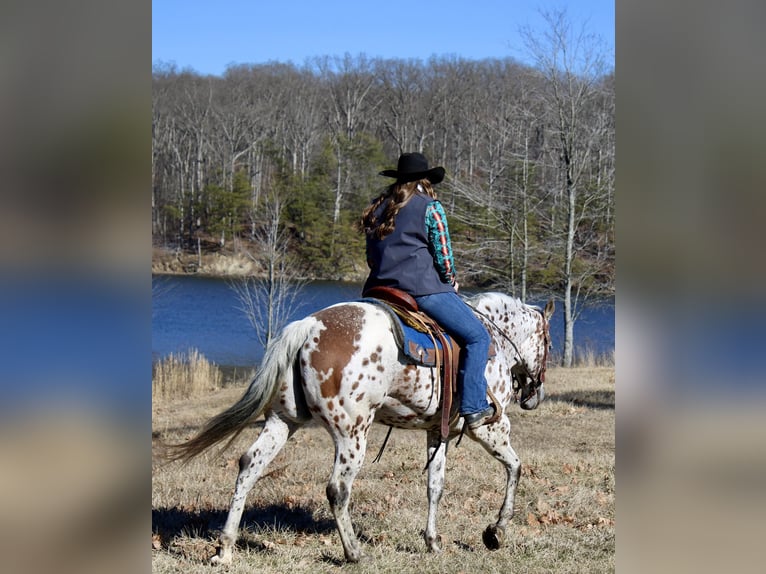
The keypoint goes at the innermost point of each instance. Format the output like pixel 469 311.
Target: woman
pixel 408 247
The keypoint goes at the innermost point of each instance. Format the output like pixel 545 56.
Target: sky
pixel 208 36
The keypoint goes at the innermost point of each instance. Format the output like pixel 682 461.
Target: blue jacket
pixel 403 259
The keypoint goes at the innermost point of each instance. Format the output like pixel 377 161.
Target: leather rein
pixel 536 381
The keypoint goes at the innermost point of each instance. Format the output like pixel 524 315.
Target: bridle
pixel 535 381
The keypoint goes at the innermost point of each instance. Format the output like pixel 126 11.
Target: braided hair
pixel 397 194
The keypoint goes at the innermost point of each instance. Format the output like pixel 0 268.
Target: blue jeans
pixel 457 318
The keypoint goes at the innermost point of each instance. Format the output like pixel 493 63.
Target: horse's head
pixel 523 330
pixel 529 371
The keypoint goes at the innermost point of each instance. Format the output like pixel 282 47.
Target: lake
pixel 203 313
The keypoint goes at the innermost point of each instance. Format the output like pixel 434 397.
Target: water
pixel 203 313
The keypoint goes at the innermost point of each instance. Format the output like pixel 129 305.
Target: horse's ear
pixel 549 307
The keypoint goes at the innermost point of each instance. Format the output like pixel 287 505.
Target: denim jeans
pixel 457 318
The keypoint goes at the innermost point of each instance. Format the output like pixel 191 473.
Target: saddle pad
pixel 417 346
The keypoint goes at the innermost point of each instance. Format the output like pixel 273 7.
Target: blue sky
pixel 209 35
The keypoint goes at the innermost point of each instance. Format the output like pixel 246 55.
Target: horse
pixel 341 366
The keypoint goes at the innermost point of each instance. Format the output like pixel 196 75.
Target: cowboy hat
pixel 414 166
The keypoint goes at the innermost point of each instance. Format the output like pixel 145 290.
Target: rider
pixel 408 247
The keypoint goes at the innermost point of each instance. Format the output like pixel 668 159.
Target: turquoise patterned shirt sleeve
pixel 439 242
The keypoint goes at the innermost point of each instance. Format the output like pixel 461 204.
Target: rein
pixel 521 361
pixel 507 338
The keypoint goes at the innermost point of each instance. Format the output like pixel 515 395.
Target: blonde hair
pixel 399 194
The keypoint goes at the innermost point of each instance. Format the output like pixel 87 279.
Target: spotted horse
pixel 341 366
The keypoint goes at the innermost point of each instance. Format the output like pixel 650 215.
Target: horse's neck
pixel 520 330
pixel 517 320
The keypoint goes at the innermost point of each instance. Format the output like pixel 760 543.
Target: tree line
pixel 528 150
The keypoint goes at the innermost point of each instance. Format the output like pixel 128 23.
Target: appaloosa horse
pixel 341 367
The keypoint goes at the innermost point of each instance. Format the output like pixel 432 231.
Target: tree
pixel 226 209
pixel 571 67
pixel 268 300
pixel 348 83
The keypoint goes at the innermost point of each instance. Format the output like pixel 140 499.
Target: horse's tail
pixel 279 358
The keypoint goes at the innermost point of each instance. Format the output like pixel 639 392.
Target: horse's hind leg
pixel 495 438
pixel 437 456
pixel 349 456
pixel 251 465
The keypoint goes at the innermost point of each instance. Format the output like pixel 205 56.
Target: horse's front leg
pixel 437 457
pixel 495 440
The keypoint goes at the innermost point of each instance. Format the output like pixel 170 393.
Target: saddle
pixel 446 351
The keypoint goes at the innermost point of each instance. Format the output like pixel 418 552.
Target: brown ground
pixel 565 504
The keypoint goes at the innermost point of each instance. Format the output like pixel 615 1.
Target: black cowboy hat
pixel 414 166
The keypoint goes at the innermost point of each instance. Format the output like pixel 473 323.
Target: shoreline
pixel 167 262
pixel 176 262
pixel 218 265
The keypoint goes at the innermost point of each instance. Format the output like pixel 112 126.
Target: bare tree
pixel 526 121
pixel 408 119
pixel 302 124
pixel 571 67
pixel 348 82
pixel 268 300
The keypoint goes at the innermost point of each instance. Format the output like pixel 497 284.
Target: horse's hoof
pixel 493 537
pixel 356 558
pixel 219 560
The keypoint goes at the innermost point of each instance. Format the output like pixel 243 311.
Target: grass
pixel 184 375
pixel 585 356
pixel 565 503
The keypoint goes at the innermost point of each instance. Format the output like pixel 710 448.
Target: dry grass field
pixel 565 503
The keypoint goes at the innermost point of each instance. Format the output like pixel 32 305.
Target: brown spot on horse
pixel 332 354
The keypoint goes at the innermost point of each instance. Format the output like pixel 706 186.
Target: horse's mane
pixel 493 297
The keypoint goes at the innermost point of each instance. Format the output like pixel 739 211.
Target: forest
pixel 278 161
